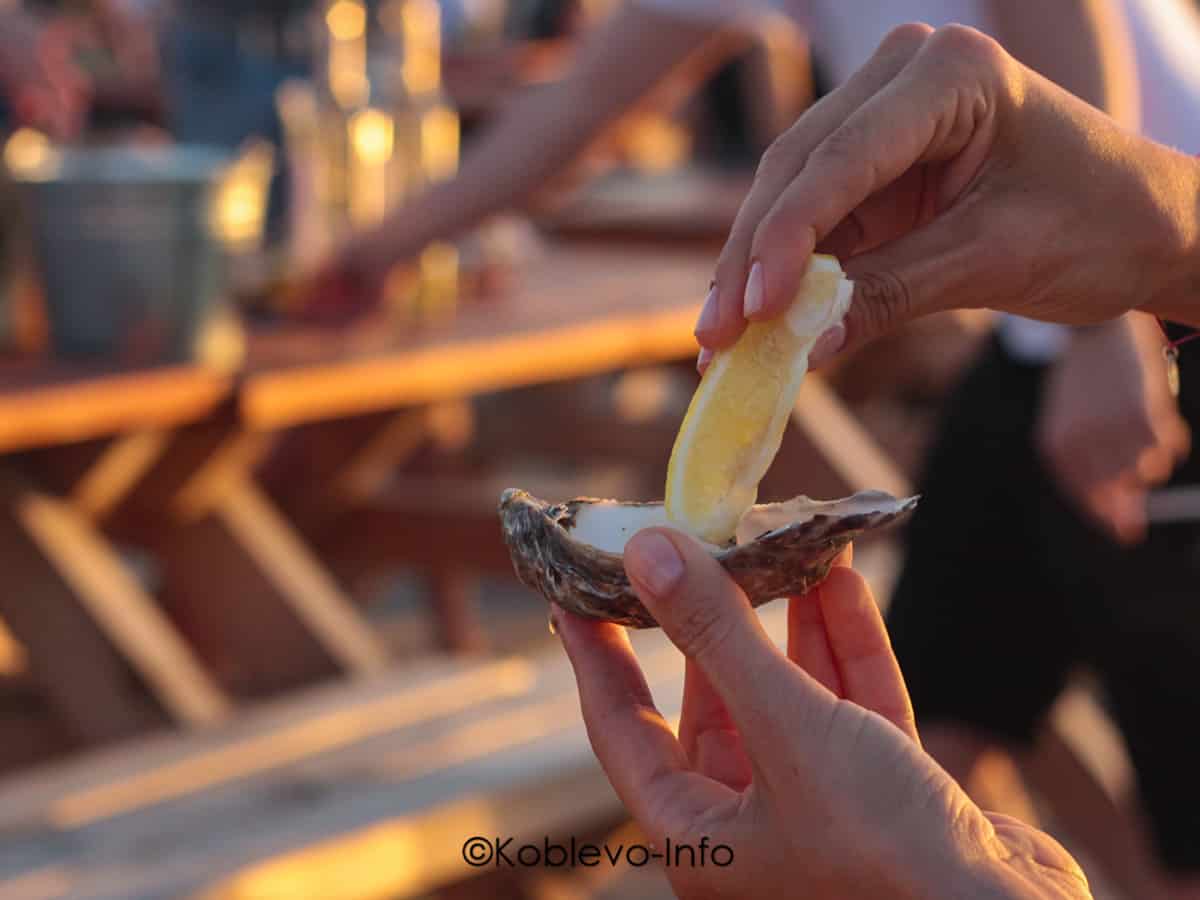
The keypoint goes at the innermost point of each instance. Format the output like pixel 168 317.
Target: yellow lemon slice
pixel 735 423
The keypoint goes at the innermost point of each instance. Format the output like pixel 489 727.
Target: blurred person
pixel 805 765
pixel 1007 222
pixel 631 54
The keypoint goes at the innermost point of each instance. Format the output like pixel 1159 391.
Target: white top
pixel 847 31
pixel 1166 40
pixel 1165 33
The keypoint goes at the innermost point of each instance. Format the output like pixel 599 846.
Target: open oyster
pixel 571 552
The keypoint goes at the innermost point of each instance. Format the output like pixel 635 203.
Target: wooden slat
pixel 265 736
pixel 844 443
pixel 129 617
pixel 75 667
pixel 302 581
pixel 12 654
pixel 383 814
pixel 285 397
pixel 39 407
pixel 113 475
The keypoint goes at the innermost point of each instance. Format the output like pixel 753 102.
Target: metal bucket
pixel 129 264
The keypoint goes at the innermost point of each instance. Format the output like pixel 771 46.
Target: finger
pixel 706 615
pixel 930 113
pixel 708 735
pixel 1120 507
pixel 1155 464
pixel 786 157
pixel 808 643
pixel 862 653
pixel 635 745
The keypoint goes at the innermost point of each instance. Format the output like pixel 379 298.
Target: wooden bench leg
pixel 259 608
pixel 843 442
pixel 454 599
pixel 309 591
pixel 83 620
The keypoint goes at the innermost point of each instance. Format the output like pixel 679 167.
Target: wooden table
pixel 167 461
pixel 172 461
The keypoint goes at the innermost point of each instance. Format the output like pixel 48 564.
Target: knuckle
pixel 839 145
pixel 777 229
pixel 962 44
pixel 773 159
pixel 905 38
pixel 881 301
pixel 703 631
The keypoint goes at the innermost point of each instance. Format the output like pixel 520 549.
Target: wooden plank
pixel 12 654
pixel 100 784
pixel 844 443
pixel 75 667
pixel 113 475
pixel 130 618
pixel 518 764
pixel 47 404
pixel 278 399
pixel 369 468
pixel 575 311
pixel 301 580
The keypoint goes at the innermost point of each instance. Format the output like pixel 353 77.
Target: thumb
pixel 707 616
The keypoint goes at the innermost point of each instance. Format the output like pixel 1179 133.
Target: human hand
pixel 46 89
pixel 808 765
pixel 1109 428
pixel 350 283
pixel 945 174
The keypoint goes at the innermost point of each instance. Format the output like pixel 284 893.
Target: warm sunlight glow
pixel 422 70
pixel 439 143
pixel 28 153
pixel 372 135
pixel 347 20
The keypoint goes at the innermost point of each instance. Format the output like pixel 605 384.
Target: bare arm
pixel 1097 64
pixel 542 132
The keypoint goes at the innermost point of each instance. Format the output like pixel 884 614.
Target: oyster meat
pixel 571 552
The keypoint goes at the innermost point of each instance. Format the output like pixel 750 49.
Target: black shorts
pixel 1006 590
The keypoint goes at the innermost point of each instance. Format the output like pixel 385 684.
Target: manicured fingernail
pixel 828 345
pixel 752 303
pixel 653 561
pixel 703 359
pixel 708 315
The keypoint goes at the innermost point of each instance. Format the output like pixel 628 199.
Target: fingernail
pixel 703 359
pixel 708 315
pixel 653 562
pixel 752 303
pixel 828 345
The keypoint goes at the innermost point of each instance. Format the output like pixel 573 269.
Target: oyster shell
pixel 570 552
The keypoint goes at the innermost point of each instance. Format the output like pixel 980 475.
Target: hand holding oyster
pixel 571 552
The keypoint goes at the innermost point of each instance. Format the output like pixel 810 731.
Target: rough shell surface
pixel 592 582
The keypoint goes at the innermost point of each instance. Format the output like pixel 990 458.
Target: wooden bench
pixel 353 790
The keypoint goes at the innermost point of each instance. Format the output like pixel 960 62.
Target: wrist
pixel 1176 293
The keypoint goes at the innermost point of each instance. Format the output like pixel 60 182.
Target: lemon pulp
pixel 735 423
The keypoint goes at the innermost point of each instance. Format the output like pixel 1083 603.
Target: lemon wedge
pixel 735 423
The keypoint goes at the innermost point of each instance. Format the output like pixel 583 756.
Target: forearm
pixel 1097 64
pixel 544 131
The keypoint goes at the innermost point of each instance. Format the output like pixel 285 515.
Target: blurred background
pixel 291 290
